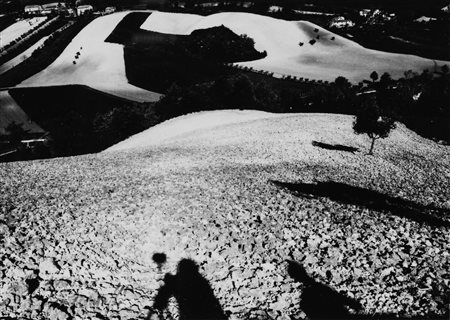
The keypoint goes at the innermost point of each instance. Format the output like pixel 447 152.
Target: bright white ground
pixel 90 224
pixel 187 124
pixel 325 60
pixel 21 57
pixel 17 29
pixel 100 64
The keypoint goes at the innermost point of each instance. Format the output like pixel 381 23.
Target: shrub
pixel 312 41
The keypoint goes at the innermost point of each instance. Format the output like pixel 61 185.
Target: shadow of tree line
pixel 348 194
pixel 196 300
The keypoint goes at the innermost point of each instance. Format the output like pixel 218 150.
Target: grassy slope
pixel 207 196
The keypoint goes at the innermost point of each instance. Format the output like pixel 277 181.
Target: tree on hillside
pixel 385 80
pixel 371 121
pixel 374 76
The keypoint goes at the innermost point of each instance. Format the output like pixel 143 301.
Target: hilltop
pixel 239 197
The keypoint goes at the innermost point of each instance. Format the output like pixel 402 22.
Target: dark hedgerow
pixel 154 61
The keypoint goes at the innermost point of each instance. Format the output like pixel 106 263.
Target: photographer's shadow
pixel 319 301
pixel 193 293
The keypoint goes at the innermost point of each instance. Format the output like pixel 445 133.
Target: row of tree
pixel 421 101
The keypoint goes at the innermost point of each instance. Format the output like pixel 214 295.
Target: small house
pixel 84 9
pixel 109 10
pixel 33 10
pixel 425 19
pixel 341 22
pixel 53 7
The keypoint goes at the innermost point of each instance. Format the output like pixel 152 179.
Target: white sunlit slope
pixel 230 127
pixel 173 23
pixel 17 29
pixel 238 199
pixel 325 60
pixel 100 64
pixel 21 57
pixel 187 124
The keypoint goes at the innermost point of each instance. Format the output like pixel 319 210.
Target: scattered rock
pixel 55 311
pixel 48 268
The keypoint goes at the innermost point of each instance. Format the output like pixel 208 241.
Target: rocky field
pixel 77 235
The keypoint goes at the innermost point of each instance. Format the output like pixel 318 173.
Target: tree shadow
pixel 193 293
pixel 338 147
pixel 319 301
pixel 348 194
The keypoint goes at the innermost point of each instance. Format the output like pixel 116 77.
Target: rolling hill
pixel 99 64
pixel 238 198
pixel 330 56
pixel 89 60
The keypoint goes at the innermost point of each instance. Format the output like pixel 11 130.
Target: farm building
pixel 425 19
pixel 274 9
pixel 110 10
pixel 45 9
pixel 84 9
pixel 209 4
pixel 54 6
pixel 341 22
pixel 33 10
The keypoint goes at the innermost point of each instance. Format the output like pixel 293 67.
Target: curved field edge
pixel 329 57
pixel 42 58
pixel 89 60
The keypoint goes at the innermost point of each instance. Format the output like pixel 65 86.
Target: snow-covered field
pixel 325 60
pixel 17 29
pixel 78 233
pixel 100 65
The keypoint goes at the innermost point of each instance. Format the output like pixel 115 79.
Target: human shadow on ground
pixel 348 194
pixel 319 301
pixel 338 147
pixel 193 293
